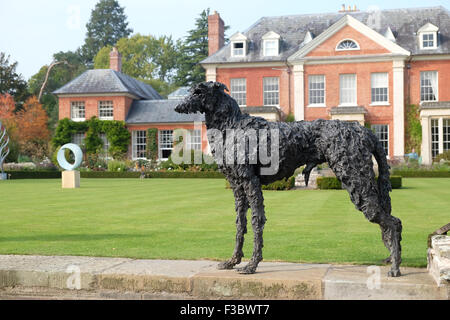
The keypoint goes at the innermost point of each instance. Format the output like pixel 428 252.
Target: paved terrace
pixel 69 277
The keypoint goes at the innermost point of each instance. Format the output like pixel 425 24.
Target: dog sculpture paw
pixel 248 269
pixel 394 273
pixel 226 265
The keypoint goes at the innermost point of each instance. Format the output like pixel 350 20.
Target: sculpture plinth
pixel 70 179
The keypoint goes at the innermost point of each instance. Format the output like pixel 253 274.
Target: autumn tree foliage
pixel 33 134
pixel 7 106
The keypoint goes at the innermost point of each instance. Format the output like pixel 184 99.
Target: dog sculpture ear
pixel 221 86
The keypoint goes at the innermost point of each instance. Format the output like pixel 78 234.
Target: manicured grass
pixel 194 219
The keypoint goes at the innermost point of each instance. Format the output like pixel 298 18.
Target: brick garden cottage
pixel 349 65
pixel 108 94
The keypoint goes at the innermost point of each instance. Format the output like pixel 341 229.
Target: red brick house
pixel 348 65
pixel 108 94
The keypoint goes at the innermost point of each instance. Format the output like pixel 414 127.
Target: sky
pixel 32 31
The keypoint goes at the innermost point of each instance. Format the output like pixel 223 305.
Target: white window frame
pixel 235 51
pixel 434 136
pixel 347 49
pixel 106 106
pixel 75 110
pixel 78 138
pixel 162 144
pixel 422 41
pixel 384 142
pixel 238 90
pixel 372 86
pixel 310 78
pixel 434 46
pixel 269 101
pixel 436 94
pixel 446 134
pixel 276 47
pixel 194 139
pixel 354 90
pixel 139 144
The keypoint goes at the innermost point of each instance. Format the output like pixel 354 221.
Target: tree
pixel 150 59
pixel 193 50
pixel 7 106
pixel 67 66
pixel 11 82
pixel 34 135
pixel 106 26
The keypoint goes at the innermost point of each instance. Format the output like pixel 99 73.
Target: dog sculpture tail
pixel 384 183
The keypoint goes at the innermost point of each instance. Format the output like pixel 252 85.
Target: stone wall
pixel 439 259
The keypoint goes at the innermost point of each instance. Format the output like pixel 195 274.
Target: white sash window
pixel 347 84
pixel 429 86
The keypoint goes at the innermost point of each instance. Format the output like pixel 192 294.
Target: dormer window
pixel 238 49
pixel 270 47
pixel 238 45
pixel 428 36
pixel 347 44
pixel 428 41
pixel 271 41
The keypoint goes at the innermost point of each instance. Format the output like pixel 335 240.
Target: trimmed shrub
pixel 396 182
pixel 421 173
pixel 326 183
pixel 185 174
pixel 283 184
pixel 109 174
pixel 33 174
pixel 118 174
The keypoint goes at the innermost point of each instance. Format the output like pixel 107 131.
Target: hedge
pixel 110 174
pixel 185 174
pixel 422 173
pixel 33 174
pixel 283 184
pixel 325 183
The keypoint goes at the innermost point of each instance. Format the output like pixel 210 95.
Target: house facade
pixel 349 65
pixel 109 94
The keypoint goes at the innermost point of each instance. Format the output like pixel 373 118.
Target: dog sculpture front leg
pixel 254 194
pixel 241 204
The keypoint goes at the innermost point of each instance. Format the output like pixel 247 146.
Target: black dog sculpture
pixel 347 147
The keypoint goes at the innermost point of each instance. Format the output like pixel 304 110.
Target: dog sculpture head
pixel 205 97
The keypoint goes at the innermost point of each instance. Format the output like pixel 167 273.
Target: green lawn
pixel 194 219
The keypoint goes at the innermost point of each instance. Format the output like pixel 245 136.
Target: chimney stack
pixel 216 33
pixel 115 60
pixel 349 8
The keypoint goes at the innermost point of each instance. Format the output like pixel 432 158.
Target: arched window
pixel 347 44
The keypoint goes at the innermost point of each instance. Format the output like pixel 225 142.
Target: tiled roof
pixel 404 24
pixel 179 93
pixel 159 111
pixel 108 81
